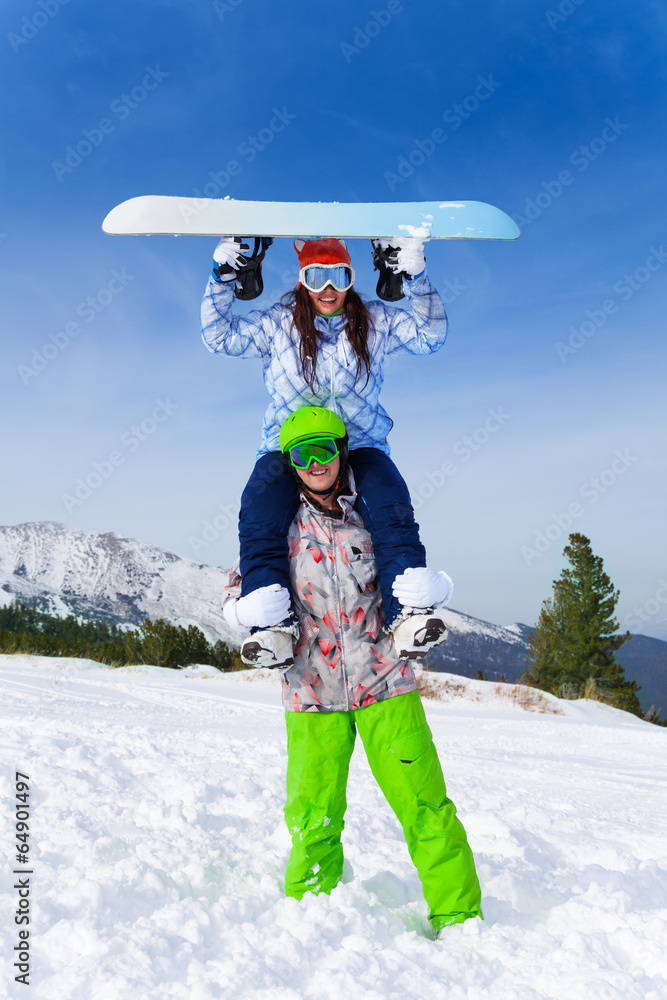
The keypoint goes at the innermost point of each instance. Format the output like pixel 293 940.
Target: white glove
pixel 230 251
pixel 263 608
pixel 420 587
pixel 410 256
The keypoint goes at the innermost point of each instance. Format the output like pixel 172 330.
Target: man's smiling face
pixel 320 477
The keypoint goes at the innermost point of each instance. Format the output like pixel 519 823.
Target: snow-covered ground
pixel 158 848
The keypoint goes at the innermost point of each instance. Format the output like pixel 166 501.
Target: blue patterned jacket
pixel 267 334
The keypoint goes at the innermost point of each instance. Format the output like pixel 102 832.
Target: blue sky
pixel 544 412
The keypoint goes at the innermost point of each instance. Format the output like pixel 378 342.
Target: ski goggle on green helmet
pixel 315 277
pixel 312 434
pixel 320 450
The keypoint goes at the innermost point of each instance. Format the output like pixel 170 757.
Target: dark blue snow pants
pixel 271 499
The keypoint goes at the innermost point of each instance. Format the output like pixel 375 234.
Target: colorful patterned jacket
pixel 343 659
pixel 267 334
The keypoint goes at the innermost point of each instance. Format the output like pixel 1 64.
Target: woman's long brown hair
pixel 359 324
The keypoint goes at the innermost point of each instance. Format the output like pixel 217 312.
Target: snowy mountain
pixel 472 645
pixel 65 570
pixel 644 660
pixel 119 580
pixel 501 651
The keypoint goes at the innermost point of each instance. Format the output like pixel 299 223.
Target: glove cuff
pixel 231 617
pixel 449 584
pixel 222 272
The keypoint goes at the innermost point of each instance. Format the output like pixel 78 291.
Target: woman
pixel 345 677
pixel 323 345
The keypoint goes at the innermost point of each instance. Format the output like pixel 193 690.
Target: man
pixel 345 675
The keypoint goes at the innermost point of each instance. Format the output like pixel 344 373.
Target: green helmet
pixel 310 423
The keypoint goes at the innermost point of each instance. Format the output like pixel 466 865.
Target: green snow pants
pixel 404 762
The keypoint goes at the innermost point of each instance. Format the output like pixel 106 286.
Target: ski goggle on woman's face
pixel 315 277
pixel 322 451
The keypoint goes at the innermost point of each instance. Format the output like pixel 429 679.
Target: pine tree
pixel 26 630
pixel 571 651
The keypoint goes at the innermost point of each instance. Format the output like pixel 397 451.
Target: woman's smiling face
pixel 328 300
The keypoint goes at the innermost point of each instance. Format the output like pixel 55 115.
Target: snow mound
pixel 158 846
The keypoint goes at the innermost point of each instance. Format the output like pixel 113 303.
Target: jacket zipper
pixel 332 383
pixel 332 367
pixel 339 619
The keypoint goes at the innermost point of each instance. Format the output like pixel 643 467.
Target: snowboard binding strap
pixel 248 284
pixel 390 284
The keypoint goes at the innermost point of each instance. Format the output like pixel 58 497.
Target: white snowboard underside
pixel 161 215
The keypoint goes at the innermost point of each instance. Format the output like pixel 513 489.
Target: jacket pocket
pixel 418 759
pixel 360 561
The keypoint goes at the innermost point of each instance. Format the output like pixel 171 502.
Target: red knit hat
pixel 321 252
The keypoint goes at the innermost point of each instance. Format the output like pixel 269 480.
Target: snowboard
pixel 439 220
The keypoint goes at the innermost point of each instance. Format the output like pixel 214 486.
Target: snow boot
pixel 416 630
pixel 440 922
pixel 268 648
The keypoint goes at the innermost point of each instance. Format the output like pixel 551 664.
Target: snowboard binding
pixel 248 284
pixel 390 283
